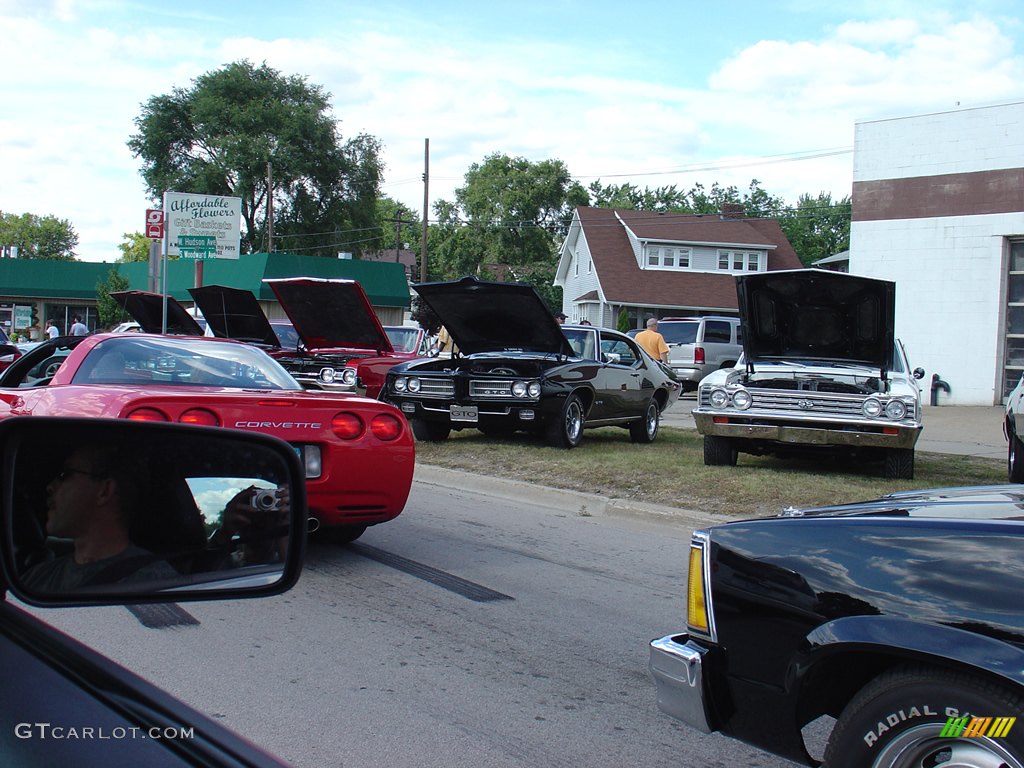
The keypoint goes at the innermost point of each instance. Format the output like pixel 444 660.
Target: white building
pixel 938 207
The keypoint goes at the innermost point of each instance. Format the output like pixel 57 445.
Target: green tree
pixel 110 312
pixel 134 246
pixel 622 323
pixel 219 136
pixel 818 227
pixel 38 237
pixel 506 222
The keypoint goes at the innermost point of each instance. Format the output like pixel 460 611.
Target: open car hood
pixel 814 314
pixel 234 313
pixel 494 317
pixel 330 314
pixel 147 310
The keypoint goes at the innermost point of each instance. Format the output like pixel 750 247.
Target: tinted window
pixel 679 332
pixel 717 332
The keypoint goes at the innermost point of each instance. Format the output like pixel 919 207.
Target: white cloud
pixel 76 89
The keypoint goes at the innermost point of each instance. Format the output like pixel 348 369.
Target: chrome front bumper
pixel 811 434
pixel 677 667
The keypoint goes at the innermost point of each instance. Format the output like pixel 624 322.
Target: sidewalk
pixel 967 430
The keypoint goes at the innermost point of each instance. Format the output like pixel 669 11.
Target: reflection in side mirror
pixel 112 511
pixel 918 373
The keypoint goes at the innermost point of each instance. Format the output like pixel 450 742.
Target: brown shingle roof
pixel 624 282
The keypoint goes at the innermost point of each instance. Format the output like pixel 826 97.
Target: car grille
pixel 799 402
pixel 436 387
pixel 490 388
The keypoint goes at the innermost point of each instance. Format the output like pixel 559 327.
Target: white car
pixel 821 372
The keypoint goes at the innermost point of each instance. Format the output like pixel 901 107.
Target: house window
pixel 739 261
pixel 665 257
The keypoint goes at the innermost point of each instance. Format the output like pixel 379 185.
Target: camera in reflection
pixel 265 500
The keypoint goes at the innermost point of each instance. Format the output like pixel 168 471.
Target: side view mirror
pixel 612 358
pixel 101 512
pixel 918 373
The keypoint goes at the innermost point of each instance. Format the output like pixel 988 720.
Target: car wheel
pixel 899 464
pixel 430 431
pixel 646 429
pixel 566 430
pixel 1015 460
pixel 344 534
pixel 719 452
pixel 914 717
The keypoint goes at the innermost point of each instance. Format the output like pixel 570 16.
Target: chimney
pixel 732 211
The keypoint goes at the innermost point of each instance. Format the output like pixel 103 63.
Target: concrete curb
pixel 574 502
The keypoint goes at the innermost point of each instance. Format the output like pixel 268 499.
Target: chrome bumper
pixel 811 434
pixel 677 667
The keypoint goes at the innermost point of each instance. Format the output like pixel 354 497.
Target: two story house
pixel 662 264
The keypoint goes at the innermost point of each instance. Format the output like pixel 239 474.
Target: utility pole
pixel 398 234
pixel 426 209
pixel 270 208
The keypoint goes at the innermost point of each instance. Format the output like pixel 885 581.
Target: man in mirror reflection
pixel 91 502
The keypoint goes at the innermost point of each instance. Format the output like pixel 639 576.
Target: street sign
pixel 154 224
pixel 197 246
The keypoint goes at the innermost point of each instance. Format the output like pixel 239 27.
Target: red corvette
pixel 358 453
pixel 341 345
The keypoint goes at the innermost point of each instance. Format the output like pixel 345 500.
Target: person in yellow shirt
pixel 653 341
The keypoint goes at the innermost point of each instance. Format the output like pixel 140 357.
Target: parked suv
pixel 699 345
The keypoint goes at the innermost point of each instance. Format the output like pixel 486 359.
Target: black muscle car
pixel 517 369
pixel 901 617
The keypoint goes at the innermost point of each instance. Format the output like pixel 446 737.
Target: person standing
pixel 653 341
pixel 52 332
pixel 78 328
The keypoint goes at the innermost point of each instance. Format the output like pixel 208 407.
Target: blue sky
pixel 651 93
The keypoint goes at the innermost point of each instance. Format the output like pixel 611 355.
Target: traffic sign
pixel 197 246
pixel 154 224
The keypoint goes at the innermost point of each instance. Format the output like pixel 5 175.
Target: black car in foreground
pixel 517 369
pixel 901 617
pixel 118 512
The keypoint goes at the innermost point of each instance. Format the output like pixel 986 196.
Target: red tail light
pixel 200 416
pixel 698 355
pixel 147 414
pixel 347 426
pixel 385 427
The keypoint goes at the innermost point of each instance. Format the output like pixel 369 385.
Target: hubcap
pixel 573 422
pixel 922 747
pixel 652 421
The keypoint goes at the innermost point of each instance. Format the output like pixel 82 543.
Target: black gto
pixel 901 617
pixel 516 368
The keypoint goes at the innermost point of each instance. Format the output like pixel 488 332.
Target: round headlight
pixel 348 376
pixel 519 388
pixel 872 408
pixel 534 389
pixel 400 384
pixel 741 399
pixel 414 385
pixel 719 398
pixel 896 409
pixel 326 375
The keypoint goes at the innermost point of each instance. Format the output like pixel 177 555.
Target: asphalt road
pixel 474 630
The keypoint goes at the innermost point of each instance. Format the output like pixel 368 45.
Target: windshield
pixel 182 362
pixel 678 332
pixel 403 339
pixel 286 334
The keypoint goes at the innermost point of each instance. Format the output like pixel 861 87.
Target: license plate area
pixel 463 413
